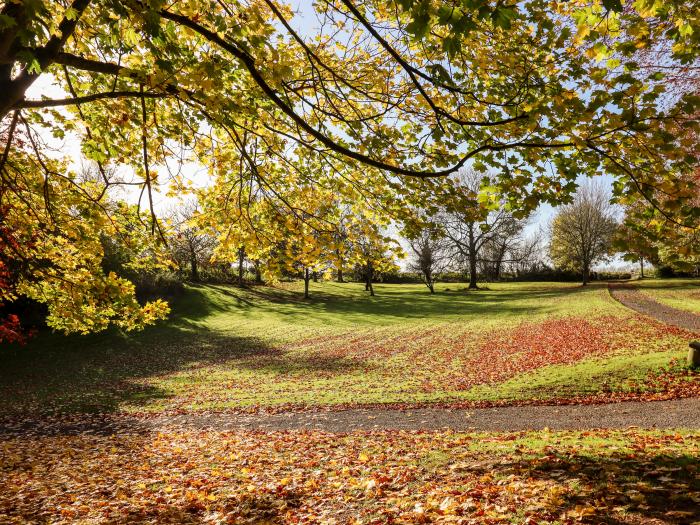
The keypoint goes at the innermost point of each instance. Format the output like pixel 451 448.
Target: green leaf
pixel 503 17
pixel 7 21
pixel 613 5
pixel 71 13
pixel 419 26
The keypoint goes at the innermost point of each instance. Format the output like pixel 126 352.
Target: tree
pixel 582 231
pixel 528 254
pixel 11 330
pixel 649 231
pixel 382 100
pixel 190 244
pixel 634 243
pixel 473 219
pixel 430 254
pixel 373 252
pixel 502 248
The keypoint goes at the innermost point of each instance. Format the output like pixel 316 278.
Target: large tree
pixel 582 231
pixel 474 218
pixel 379 105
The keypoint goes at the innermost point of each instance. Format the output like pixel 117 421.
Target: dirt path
pixel 682 413
pixel 632 298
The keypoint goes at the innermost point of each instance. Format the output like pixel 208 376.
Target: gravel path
pixel 632 298
pixel 682 413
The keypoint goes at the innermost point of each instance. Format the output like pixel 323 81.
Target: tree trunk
pixel 241 256
pixel 499 263
pixel 307 278
pixel 585 274
pixel 194 273
pixel 472 270
pixel 258 273
pixel 314 276
pixel 370 275
pixel 472 259
pixel 429 281
pixel 641 267
pixel 340 275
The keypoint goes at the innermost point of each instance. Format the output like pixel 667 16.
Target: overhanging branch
pixel 56 102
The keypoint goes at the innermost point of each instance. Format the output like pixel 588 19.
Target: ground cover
pixel 683 294
pixel 227 348
pixel 629 476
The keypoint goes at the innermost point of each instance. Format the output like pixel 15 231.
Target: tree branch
pixel 88 64
pixel 55 102
pixel 249 63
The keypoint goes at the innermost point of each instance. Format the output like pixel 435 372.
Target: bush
pixel 557 275
pixel 161 285
pixel 399 278
pixel 669 271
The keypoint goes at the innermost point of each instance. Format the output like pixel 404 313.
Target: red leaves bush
pixel 10 327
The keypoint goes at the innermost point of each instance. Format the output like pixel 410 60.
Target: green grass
pixel 683 294
pixel 621 373
pixel 225 347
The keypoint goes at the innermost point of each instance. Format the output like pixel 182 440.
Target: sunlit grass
pixel 226 347
pixel 683 294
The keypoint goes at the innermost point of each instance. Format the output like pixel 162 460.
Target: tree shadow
pixel 659 487
pixel 393 303
pixel 101 372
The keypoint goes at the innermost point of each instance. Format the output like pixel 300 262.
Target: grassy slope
pixel 226 347
pixel 683 294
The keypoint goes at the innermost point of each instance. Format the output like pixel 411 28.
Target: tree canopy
pixel 370 105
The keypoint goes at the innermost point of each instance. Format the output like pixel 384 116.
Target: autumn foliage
pixel 386 477
pixel 10 327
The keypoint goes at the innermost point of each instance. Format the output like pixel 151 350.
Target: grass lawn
pixel 683 294
pixel 612 477
pixel 231 348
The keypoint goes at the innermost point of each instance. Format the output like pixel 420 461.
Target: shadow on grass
pixel 393 303
pixel 616 489
pixel 99 372
pixel 662 487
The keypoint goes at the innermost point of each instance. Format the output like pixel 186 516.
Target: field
pixel 267 348
pixel 229 350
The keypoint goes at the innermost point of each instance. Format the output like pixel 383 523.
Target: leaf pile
pixel 627 476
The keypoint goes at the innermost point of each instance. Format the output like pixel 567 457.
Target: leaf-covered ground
pixel 613 477
pixel 227 348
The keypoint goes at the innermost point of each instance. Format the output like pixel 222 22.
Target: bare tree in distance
pixel 191 246
pixel 581 232
pixel 471 226
pixel 528 256
pixel 502 249
pixel 430 254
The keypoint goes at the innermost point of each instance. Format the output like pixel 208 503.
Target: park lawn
pixel 599 476
pixel 683 294
pixel 230 348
